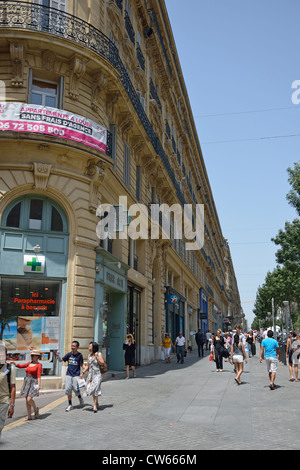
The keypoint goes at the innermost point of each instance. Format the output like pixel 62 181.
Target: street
pixel 169 407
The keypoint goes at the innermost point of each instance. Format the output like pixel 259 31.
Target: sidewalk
pixel 169 407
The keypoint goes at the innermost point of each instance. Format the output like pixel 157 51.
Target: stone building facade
pixel 110 67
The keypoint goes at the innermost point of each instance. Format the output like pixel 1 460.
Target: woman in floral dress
pixel 94 378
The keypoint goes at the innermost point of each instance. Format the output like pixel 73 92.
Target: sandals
pixel 36 415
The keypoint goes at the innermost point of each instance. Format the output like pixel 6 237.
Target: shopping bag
pixel 81 383
pixel 211 357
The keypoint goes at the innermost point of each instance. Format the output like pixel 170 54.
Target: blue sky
pixel 239 60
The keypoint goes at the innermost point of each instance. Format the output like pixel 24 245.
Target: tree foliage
pixel 283 283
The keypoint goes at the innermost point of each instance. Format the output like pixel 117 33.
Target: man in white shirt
pixel 180 347
pixel 208 336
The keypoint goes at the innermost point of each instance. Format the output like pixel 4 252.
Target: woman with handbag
pixel 94 378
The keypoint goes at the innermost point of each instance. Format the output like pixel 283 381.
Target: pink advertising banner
pixel 20 117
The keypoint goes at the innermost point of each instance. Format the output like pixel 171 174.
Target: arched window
pixel 35 213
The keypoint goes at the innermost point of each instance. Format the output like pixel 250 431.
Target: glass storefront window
pixel 29 319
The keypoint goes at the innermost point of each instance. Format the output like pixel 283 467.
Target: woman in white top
pixel 238 354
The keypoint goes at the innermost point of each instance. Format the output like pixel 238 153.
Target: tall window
pixel 45 93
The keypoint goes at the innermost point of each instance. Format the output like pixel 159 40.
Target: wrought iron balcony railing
pixel 21 15
pixel 140 57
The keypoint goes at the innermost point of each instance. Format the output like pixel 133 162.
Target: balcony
pixel 18 15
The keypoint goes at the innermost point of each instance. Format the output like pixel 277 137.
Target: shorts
pixel 272 364
pixel 72 384
pixel 237 358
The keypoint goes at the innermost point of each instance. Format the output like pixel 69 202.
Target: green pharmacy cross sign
pixel 34 264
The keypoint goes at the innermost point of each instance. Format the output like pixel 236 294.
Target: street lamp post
pixel 273 318
pixel 286 308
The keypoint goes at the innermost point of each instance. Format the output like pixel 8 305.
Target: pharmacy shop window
pixel 30 318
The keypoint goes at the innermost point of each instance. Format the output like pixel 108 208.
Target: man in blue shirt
pixel 75 362
pixel 271 349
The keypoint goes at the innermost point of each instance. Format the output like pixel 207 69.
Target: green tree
pixel 284 282
pixel 294 179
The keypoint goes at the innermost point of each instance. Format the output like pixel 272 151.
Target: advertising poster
pixel 25 333
pixel 21 117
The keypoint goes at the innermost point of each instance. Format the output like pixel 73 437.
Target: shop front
pixel 175 313
pixel 110 307
pixel 203 311
pixel 33 267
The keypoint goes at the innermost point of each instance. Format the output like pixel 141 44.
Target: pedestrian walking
pixel 289 354
pixel 94 378
pixel 32 383
pixel 242 337
pixel 270 348
pixel 199 337
pixel 251 343
pixel 166 344
pixel 208 342
pixel 227 344
pixel 75 362
pixel 237 357
pixel 7 387
pixel 219 350
pixel 129 348
pixel 295 355
pixel 180 347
